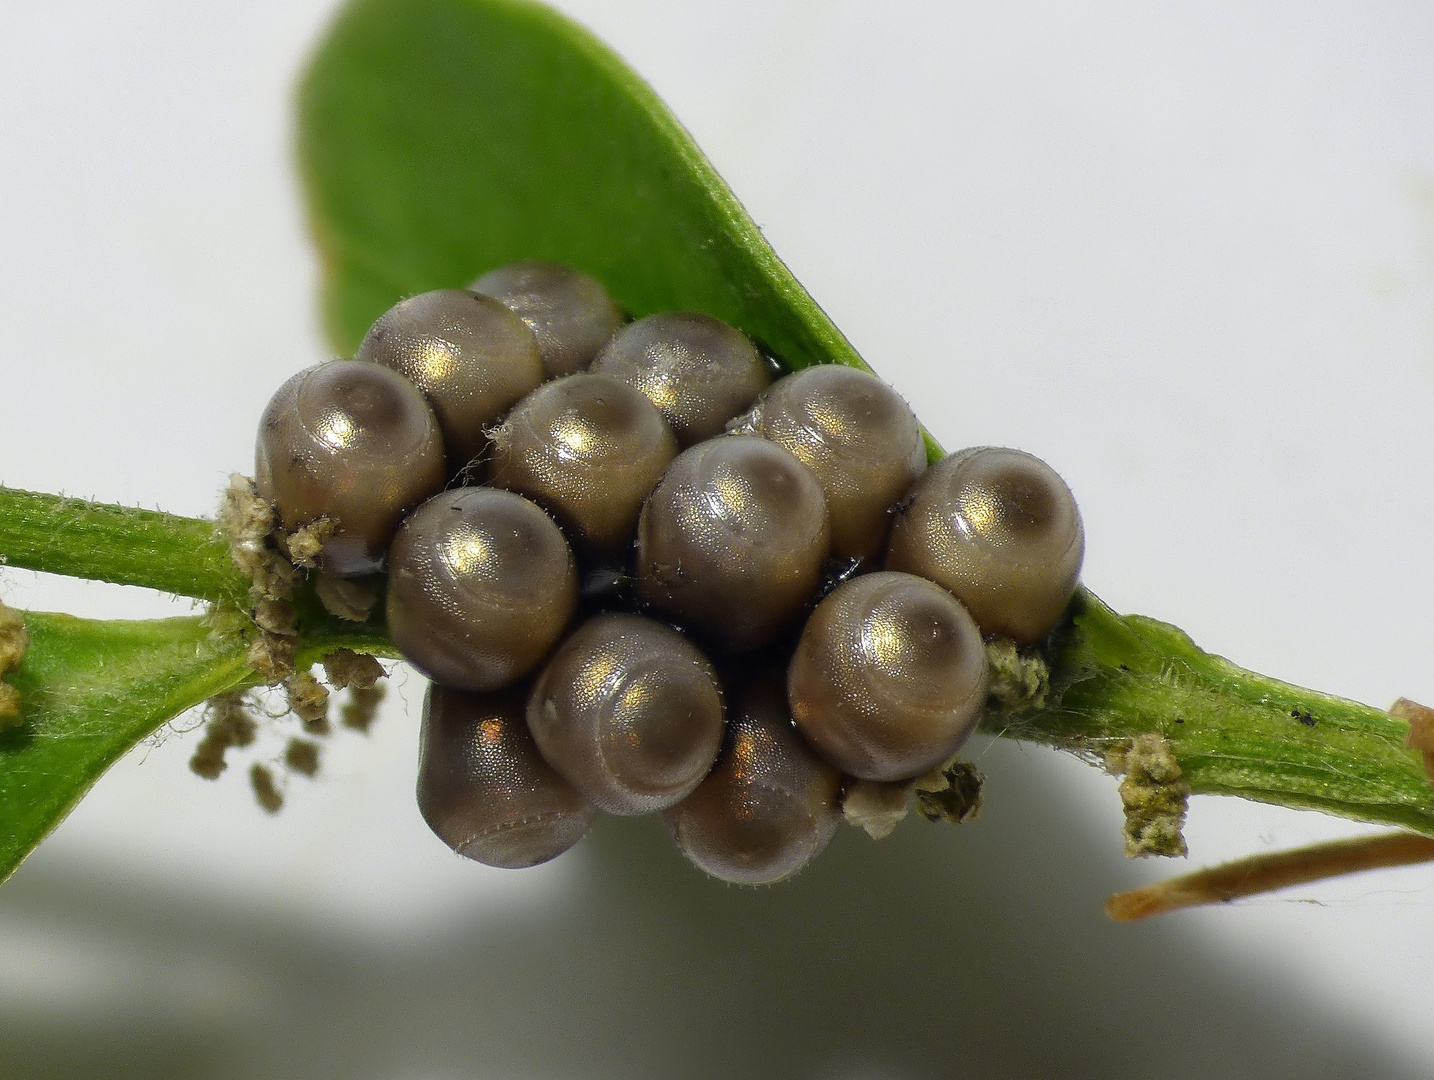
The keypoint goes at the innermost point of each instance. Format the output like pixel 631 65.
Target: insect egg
pixel 587 448
pixel 696 369
pixel 481 585
pixel 352 442
pixel 629 711
pixel 769 805
pixel 857 435
pixel 889 677
pixel 484 789
pixel 732 540
pixel 1000 530
pixel 571 314
pixel 470 355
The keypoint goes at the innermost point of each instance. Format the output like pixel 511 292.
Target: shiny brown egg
pixel 481 586
pixel 571 314
pixel 769 806
pixel 889 677
pixel 1001 531
pixel 353 443
pixel 732 540
pixel 471 357
pixel 860 439
pixel 630 712
pixel 588 449
pixel 697 370
pixel 484 789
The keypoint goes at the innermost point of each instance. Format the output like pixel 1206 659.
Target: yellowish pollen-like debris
pixel 272 656
pixel 14 640
pixel 274 580
pixel 345 668
pixel 303 545
pixel 302 756
pixel 361 709
pixel 953 793
pixel 275 617
pixel 1113 760
pixel 9 706
pixel 1018 679
pixel 1155 799
pixel 345 598
pixel 245 521
pixel 265 791
pixel 875 806
pixel 229 723
pixel 248 524
pixel 307 696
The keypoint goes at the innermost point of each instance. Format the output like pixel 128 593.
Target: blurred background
pixel 1184 252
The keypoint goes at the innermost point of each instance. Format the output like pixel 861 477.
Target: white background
pixel 1183 252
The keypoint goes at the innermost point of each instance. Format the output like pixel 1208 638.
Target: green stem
pixel 121 544
pixel 1232 731
pixel 1112 677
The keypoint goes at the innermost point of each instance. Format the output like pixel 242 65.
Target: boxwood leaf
pixel 89 691
pixel 441 138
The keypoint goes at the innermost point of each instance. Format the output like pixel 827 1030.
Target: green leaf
pixel 89 690
pixel 441 138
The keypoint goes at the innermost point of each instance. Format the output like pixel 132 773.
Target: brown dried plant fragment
pixel 9 706
pixel 1421 730
pixel 1266 873
pixel 14 640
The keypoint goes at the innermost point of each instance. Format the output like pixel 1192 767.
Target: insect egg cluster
pixel 643 576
